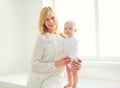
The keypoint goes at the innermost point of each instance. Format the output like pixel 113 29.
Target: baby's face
pixel 69 29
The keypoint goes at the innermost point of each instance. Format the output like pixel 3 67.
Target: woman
pixel 48 62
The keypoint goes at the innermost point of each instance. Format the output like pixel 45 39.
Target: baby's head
pixel 70 28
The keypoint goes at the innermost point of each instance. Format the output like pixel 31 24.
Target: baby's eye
pixel 70 28
pixel 65 28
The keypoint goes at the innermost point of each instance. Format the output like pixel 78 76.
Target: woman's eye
pixel 47 19
pixel 53 18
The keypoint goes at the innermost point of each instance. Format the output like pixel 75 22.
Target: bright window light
pixel 109 20
pixel 81 11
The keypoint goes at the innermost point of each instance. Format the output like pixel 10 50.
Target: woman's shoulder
pixel 40 37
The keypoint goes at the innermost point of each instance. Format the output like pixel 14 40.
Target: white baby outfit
pixel 71 48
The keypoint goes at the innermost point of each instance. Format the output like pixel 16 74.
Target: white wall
pixel 33 8
pixel 11 35
pixel 18 30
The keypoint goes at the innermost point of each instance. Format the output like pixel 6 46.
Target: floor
pixel 19 81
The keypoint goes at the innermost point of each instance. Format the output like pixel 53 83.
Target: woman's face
pixel 50 22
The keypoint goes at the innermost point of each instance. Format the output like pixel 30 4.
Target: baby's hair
pixel 71 22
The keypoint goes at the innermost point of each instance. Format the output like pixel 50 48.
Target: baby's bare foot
pixel 68 85
pixel 74 86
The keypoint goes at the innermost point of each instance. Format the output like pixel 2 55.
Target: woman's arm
pixel 38 65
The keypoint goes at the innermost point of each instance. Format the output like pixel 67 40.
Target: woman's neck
pixel 51 32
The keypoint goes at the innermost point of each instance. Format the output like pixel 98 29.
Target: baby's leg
pixel 69 76
pixel 75 78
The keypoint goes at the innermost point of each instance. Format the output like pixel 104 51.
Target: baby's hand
pixel 63 61
pixel 63 35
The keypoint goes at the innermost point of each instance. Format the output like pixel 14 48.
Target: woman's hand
pixel 76 65
pixel 62 62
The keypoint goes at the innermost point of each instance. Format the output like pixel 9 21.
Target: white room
pixel 99 31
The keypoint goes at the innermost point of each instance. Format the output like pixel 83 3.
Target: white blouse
pixel 47 50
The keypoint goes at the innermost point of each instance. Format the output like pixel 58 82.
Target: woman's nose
pixel 51 20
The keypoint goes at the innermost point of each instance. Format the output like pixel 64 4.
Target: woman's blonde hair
pixel 43 15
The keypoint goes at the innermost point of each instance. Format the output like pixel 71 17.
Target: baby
pixel 71 49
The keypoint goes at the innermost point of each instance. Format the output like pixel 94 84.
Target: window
pixel 109 28
pixel 98 24
pixel 81 11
